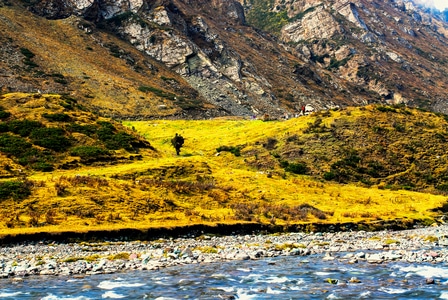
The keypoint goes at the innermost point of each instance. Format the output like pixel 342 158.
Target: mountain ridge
pixel 199 59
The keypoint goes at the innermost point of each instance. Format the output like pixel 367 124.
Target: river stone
pixel 443 242
pixel 187 252
pixel 328 257
pixel 376 258
pixel 47 272
pixel 353 261
pixel 433 254
pixel 242 256
pixel 354 280
pixel 393 256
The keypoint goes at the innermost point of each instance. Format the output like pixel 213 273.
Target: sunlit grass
pixel 201 186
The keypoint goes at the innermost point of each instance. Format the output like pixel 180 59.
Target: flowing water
pixel 290 277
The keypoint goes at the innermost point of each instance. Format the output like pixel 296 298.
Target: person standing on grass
pixel 177 142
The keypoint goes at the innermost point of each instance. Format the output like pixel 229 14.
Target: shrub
pixel 121 140
pixel 270 143
pixel 50 138
pixel 296 168
pixel 335 64
pixel 16 190
pixel 386 109
pixel 86 152
pixel 235 150
pixel 443 187
pixel 42 166
pixel 85 129
pixel 4 127
pixel 57 117
pixel 399 127
pixel 157 92
pixel 300 15
pixel 13 145
pixel 27 53
pixel 4 114
pixel 24 152
pixel 28 58
pixel 23 127
pixel 105 131
pixel 316 127
pixel 330 175
pixel 30 156
pixel 60 188
pixel 112 140
pixel 90 181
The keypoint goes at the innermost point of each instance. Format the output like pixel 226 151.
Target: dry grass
pixel 103 81
pixel 201 187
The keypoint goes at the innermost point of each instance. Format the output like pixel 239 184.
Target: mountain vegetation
pixel 291 112
pixel 369 164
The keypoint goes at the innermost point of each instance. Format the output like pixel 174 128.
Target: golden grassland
pixel 204 186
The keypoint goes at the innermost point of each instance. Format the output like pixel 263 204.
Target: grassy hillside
pixel 364 164
pixel 114 79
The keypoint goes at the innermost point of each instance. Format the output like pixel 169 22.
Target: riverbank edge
pixel 154 233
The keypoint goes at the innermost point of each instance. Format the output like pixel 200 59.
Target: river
pixel 284 277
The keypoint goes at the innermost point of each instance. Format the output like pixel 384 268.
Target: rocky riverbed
pixel 428 244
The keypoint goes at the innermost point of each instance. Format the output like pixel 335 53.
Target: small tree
pixel 177 141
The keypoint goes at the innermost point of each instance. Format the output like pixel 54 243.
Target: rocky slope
pixel 207 58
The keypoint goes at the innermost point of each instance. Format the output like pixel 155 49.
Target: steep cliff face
pixel 393 49
pixel 324 53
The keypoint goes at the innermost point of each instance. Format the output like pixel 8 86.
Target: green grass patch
pixel 87 152
pixel 50 138
pixel 17 190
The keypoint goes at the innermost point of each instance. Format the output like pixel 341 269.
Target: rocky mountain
pixel 197 58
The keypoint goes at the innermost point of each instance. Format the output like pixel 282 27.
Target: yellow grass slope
pixel 246 181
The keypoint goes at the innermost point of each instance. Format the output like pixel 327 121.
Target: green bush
pixel 57 117
pixel 335 64
pixel 23 127
pixel 4 114
pixel 16 190
pixel 296 168
pixel 27 53
pixel 24 152
pixel 261 16
pixel 13 145
pixel 443 187
pixel 112 140
pixel 235 150
pixel 386 109
pixel 50 138
pixel 86 152
pixel 69 102
pixel 4 127
pixel 340 175
pixel 85 129
pixel 106 130
pixel 37 160
pixel 121 140
pixel 28 58
pixel 330 175
pixel 42 166
pixel 302 14
pixel 157 92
